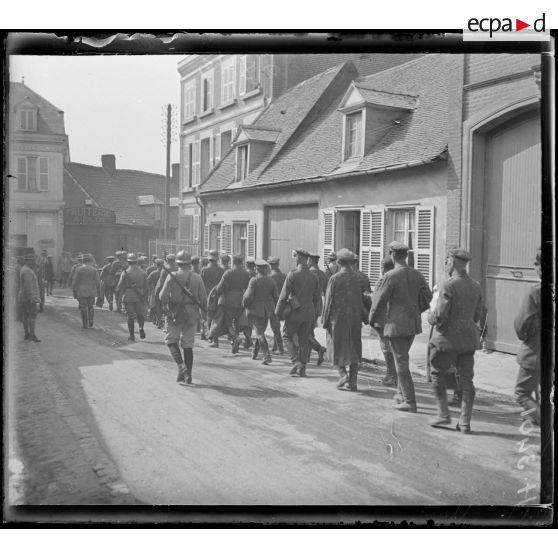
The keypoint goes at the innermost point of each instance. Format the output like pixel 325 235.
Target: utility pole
pixel 168 135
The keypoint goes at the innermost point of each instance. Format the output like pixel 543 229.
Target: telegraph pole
pixel 168 135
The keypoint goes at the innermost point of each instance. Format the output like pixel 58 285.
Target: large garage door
pixel 289 227
pixel 512 224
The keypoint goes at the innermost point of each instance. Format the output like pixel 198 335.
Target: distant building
pixel 37 151
pixel 110 209
pixel 219 93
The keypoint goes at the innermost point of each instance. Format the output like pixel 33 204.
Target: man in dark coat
pixel 230 290
pixel 527 326
pixel 132 287
pixel 86 285
pixel 332 267
pixel 390 379
pixel 28 297
pixel 116 269
pixel 155 310
pixel 398 304
pixel 342 319
pixel 49 275
pixel 196 265
pixel 153 265
pixel 211 275
pixel 185 310
pixel 259 300
pixel 322 280
pixel 225 261
pixel 301 291
pixel 456 337
pixel 108 281
pixel 278 278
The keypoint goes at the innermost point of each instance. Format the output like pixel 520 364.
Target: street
pixel 98 419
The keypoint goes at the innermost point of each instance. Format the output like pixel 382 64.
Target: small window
pixel 207 92
pixel 401 227
pixel 215 238
pixel 240 238
pixel 228 71
pixel 43 173
pixel 241 162
pixel 189 100
pixel 27 119
pixel 353 135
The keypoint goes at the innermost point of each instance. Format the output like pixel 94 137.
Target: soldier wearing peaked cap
pixel 108 281
pixel 456 337
pixel 259 300
pixel 28 296
pixel 397 305
pixel 300 297
pixel 322 279
pixel 86 285
pixel 132 287
pixel 251 266
pixel 278 278
pixel 118 266
pixel 332 267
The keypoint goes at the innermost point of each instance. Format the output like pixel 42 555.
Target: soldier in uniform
pixel 153 265
pixel 85 285
pixel 118 266
pixel 456 337
pixel 64 268
pixel 225 261
pixel 399 302
pixel 322 280
pixel 390 379
pixel 203 262
pixel 259 300
pixel 142 263
pixel 155 311
pixel 28 297
pixel 132 287
pixel 184 295
pixel 332 267
pixel 171 267
pixel 211 275
pixel 78 263
pixel 108 281
pixel 279 278
pixel 196 265
pixel 251 266
pixel 527 326
pixel 301 292
pixel 245 324
pixel 229 306
pixel 342 319
pixel 49 275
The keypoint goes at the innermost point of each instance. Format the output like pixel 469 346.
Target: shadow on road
pixel 259 393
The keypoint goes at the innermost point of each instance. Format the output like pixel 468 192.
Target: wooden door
pixel 512 224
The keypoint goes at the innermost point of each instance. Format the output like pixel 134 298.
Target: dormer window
pixel 27 120
pixel 242 154
pixel 354 134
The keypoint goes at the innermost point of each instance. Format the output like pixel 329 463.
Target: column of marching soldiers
pixel 185 295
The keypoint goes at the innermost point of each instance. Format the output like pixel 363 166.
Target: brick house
pixel 37 151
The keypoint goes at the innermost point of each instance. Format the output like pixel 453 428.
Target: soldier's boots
pixel 464 424
pixel 235 345
pixel 267 359
pixel 32 336
pixel 188 363
pixel 343 378
pixel 256 349
pixel 299 369
pixel 131 329
pixel 181 378
pixel 321 355
pixel 440 421
pixel 91 315
pixel 389 381
pixel 84 319
pixel 353 373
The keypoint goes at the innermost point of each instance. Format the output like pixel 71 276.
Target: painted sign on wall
pixel 87 215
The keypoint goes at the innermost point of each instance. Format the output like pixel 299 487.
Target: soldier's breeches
pixel 260 325
pixel 134 310
pixel 302 330
pixel 182 334
pixel 109 294
pixel 400 347
pixel 86 302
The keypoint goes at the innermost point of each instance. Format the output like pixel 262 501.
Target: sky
pixel 112 104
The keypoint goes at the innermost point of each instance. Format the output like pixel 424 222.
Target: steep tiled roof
pixel 120 190
pixel 50 118
pixel 386 99
pixel 315 150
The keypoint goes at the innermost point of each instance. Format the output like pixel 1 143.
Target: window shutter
pixel 206 238
pixel 217 150
pixel 424 250
pixel 196 163
pixel 329 234
pixel 211 152
pixel 22 173
pixel 43 173
pixel 251 231
pixel 227 241
pixel 196 227
pixel 209 92
pixel 186 183
pixel 242 75
pixel 372 222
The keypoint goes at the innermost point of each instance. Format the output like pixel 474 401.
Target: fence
pixel 159 246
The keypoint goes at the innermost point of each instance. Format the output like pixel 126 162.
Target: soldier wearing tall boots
pixel 301 294
pixel 108 281
pixel 28 297
pixel 132 287
pixel 229 306
pixel 322 280
pixel 49 275
pixel 278 278
pixel 155 310
pixel 342 319
pixel 399 302
pixel 527 326
pixel 390 379
pixel 332 267
pixel 455 338
pixel 211 275
pixel 86 285
pixel 259 300
pixel 117 267
pixel 245 324
pixel 184 295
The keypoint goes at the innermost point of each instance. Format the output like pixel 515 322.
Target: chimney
pixel 175 169
pixel 109 163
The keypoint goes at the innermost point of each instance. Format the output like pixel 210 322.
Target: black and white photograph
pixel 276 278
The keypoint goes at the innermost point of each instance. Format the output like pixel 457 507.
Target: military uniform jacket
pixel 232 286
pixel 396 302
pixel 133 285
pixel 279 278
pixel 173 296
pixel 211 275
pixel 85 282
pixel 331 269
pixel 107 277
pixel 260 297
pixel 322 278
pixel 303 284
pixel 163 277
pixel 117 267
pixel 28 285
pixel 458 310
pixel 527 326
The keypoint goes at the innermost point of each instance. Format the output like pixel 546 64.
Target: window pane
pixel 32 172
pixel 399 220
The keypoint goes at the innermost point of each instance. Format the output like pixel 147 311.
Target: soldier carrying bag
pixel 176 311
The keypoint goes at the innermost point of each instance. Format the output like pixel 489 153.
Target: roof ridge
pixel 392 68
pixel 116 170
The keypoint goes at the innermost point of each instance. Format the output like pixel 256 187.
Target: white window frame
pixel 27 120
pixel 196 159
pixel 208 77
pixel 390 227
pixel 228 81
pixel 218 236
pixel 346 145
pixel 42 174
pixel 23 174
pixel 189 100
pixel 240 176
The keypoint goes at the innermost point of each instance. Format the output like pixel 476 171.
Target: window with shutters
pixel 196 163
pixel 33 174
pixel 354 133
pixel 22 173
pixel 189 100
pixel 329 234
pixel 228 71
pixel 207 92
pixel 240 239
pixel 251 249
pixel 401 228
pixel 249 73
pixel 187 165
pixel 206 162
pixel 27 120
pixel 372 224
pixel 43 174
pixel 242 154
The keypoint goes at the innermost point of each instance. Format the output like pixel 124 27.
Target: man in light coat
pixel 28 297
pixel 85 285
